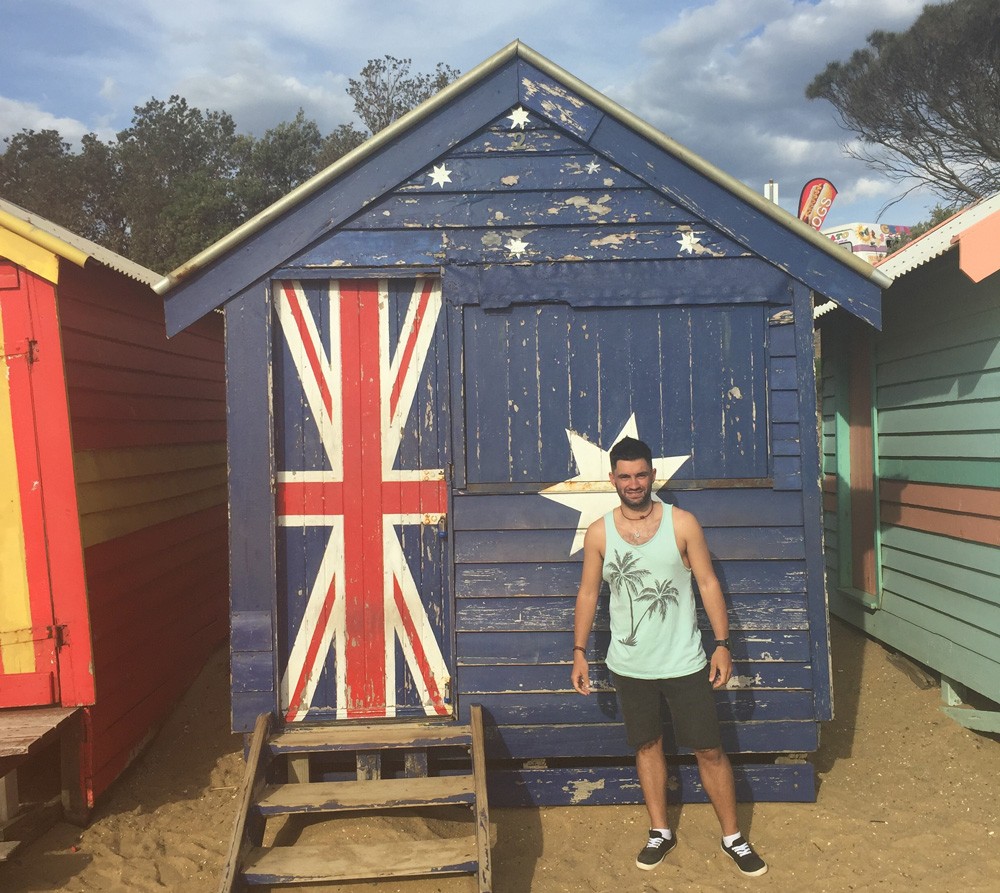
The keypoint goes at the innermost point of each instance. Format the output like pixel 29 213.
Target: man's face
pixel 633 480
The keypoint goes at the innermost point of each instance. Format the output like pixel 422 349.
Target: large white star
pixel 440 175
pixel 593 464
pixel 518 117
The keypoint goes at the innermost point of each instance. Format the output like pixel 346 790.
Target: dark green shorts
pixel 689 699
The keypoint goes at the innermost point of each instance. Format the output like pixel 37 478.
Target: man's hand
pixel 581 673
pixel 721 667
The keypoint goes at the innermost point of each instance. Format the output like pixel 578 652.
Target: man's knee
pixel 650 747
pixel 712 756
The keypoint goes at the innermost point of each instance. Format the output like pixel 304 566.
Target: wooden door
pixel 29 634
pixel 361 453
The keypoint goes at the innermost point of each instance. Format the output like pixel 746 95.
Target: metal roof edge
pixel 938 240
pixel 67 244
pixel 517 49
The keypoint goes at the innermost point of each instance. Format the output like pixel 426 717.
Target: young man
pixel 648 552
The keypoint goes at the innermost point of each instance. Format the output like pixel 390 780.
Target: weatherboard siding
pixel 937 386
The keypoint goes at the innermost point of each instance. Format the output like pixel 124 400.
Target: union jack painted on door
pixel 361 448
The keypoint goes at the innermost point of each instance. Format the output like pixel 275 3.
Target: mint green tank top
pixel 654 626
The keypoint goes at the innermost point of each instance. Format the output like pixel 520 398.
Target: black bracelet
pixel 581 649
pixel 723 643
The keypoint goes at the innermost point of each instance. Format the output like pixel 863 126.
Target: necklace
pixel 637 534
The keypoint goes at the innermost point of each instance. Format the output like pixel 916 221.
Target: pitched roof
pixel 971 228
pixel 205 270
pixel 60 241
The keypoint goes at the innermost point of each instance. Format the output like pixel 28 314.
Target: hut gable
pixel 432 346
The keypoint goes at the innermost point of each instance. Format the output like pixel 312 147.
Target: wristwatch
pixel 723 643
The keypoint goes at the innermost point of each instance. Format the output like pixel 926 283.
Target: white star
pixel 440 175
pixel 518 117
pixel 689 241
pixel 593 464
pixel 517 247
pixel 593 167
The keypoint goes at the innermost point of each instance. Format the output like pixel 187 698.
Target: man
pixel 648 552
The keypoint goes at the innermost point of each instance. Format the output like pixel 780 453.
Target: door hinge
pixel 60 634
pixel 27 349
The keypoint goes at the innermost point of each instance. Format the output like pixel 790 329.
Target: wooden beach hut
pixel 911 423
pixel 431 347
pixel 113 514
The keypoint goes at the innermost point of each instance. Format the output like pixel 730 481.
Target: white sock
pixel 729 838
pixel 666 832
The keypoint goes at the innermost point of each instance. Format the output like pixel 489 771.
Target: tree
pixel 177 163
pixel 37 172
pixel 926 102
pixel 338 143
pixel 385 89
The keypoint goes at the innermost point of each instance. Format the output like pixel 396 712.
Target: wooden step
pixel 7 848
pixel 369 737
pixel 307 864
pixel 388 793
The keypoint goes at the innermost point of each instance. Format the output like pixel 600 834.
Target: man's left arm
pixel 700 559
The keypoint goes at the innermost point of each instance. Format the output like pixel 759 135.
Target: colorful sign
pixel 815 201
pixel 870 241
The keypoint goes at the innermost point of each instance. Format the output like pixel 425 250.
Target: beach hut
pixel 113 514
pixel 911 425
pixel 432 346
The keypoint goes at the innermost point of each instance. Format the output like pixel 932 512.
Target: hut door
pixel 362 452
pixel 28 633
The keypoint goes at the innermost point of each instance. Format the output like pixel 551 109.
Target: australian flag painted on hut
pixel 433 345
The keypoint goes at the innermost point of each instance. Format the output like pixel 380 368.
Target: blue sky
pixel 725 78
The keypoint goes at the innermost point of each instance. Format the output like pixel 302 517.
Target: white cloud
pixel 17 116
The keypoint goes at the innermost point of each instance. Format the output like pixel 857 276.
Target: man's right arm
pixel 586 603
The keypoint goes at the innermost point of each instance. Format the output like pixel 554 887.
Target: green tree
pixel 275 164
pixel 625 575
pixel 338 143
pixel 177 164
pixel 386 90
pixel 37 172
pixel 926 102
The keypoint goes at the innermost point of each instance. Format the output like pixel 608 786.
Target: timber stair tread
pixel 288 772
pixel 387 793
pixel 309 864
pixel 373 737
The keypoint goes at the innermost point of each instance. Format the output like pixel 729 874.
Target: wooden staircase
pixel 250 864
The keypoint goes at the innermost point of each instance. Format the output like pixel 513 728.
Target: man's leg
pixel 651 767
pixel 717 778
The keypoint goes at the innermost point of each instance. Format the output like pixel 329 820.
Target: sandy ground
pixel 908 800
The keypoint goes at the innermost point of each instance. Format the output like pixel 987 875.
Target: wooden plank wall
pixel 938 404
pixel 148 425
pixel 679 332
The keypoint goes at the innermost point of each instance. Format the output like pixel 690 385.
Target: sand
pixel 908 800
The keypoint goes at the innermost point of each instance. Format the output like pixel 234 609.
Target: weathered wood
pixel 385 793
pixel 482 813
pixel 618 785
pixel 25 731
pixel 368 738
pixel 249 826
pixel 303 864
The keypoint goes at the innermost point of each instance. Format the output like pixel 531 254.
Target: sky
pixel 725 78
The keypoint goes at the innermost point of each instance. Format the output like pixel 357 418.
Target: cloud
pixel 16 116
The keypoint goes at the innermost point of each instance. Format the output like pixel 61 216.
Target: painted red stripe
pixel 418 650
pixel 309 498
pixel 294 703
pixel 312 353
pixel 410 346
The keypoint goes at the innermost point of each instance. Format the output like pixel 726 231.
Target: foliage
pixel 939 214
pixel 926 102
pixel 179 178
pixel 385 89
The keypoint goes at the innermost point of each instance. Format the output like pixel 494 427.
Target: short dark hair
pixel 630 449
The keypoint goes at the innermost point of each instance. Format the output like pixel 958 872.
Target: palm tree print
pixel 625 576
pixel 660 596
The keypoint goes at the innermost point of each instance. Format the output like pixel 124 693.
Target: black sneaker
pixel 745 858
pixel 655 849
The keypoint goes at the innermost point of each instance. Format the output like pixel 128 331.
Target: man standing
pixel 648 552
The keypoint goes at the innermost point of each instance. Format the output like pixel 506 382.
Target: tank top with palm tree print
pixel 654 627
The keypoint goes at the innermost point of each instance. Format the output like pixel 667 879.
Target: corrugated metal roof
pixel 425 109
pixel 69 245
pixel 937 241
